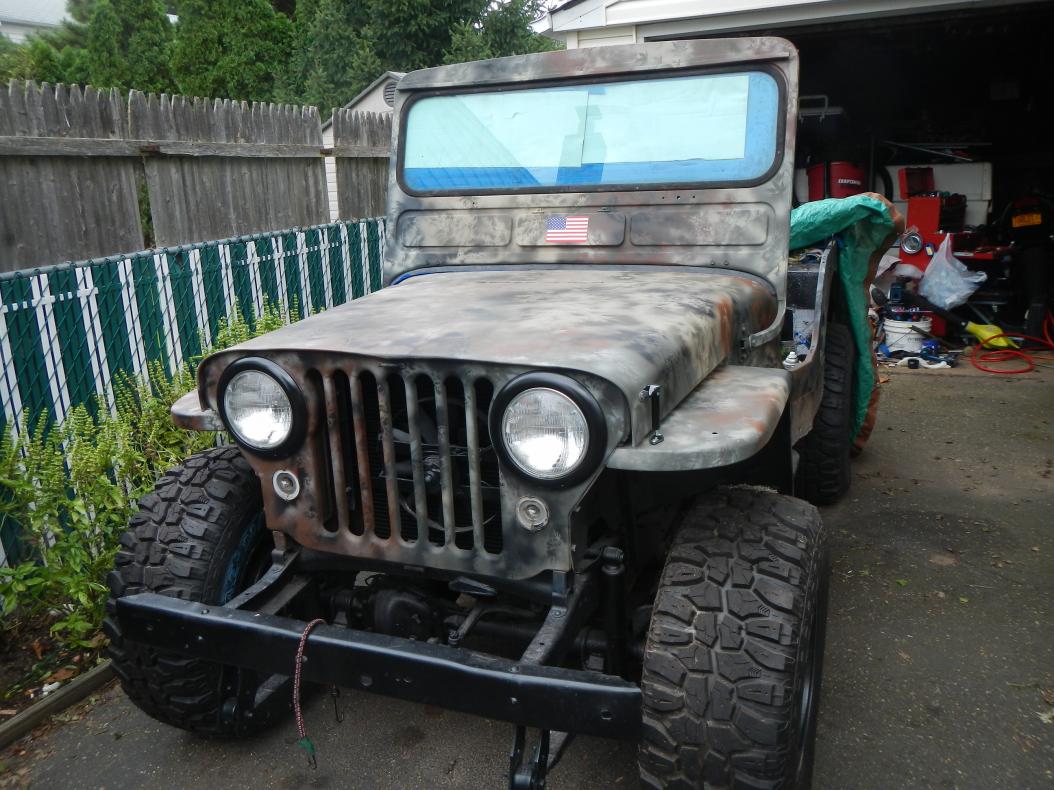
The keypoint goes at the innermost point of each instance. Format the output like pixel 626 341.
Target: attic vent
pixel 389 94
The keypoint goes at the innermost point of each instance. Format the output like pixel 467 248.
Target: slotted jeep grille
pixel 410 459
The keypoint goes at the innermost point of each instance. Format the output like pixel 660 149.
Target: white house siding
pixel 20 18
pixel 370 101
pixel 374 100
pixel 331 174
pixel 605 36
pixel 598 22
pixel 17 31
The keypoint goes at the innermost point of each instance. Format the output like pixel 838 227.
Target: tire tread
pixel 169 548
pixel 823 465
pixel 719 666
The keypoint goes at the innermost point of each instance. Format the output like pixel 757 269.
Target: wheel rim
pixel 249 561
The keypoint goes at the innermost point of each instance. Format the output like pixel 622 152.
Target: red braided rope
pixel 300 729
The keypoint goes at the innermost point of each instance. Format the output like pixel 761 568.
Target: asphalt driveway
pixel 940 656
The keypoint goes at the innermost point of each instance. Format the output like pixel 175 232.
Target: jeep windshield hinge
pixel 653 394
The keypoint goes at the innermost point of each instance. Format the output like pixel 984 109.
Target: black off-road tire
pixel 823 463
pixel 192 538
pixel 734 654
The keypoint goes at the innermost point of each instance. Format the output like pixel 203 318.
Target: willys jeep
pixel 547 474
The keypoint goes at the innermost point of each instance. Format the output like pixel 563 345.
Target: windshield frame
pixel 638 76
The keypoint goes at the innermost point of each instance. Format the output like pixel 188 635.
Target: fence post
pixel 361 144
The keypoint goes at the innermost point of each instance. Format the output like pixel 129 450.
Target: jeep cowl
pixel 547 474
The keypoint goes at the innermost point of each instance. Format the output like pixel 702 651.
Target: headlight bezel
pixel 580 396
pixel 298 427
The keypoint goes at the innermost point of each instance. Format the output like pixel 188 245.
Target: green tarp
pixel 864 226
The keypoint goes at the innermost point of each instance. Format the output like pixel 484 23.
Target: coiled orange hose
pixel 978 356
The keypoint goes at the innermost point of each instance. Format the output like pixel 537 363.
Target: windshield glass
pixel 717 128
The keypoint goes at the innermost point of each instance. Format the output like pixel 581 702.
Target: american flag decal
pixel 560 229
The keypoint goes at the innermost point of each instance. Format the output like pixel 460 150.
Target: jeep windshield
pixel 705 129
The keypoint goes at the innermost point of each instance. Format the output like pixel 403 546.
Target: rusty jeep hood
pixel 666 326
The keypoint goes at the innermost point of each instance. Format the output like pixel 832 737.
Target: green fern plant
pixel 71 488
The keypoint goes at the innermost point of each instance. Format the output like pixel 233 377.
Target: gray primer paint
pixel 631 328
pixel 671 286
pixel 740 228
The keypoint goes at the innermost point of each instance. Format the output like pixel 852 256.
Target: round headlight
pixel 545 433
pixel 257 409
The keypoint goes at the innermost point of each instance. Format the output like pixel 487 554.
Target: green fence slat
pixel 315 278
pixel 336 265
pixel 358 277
pixel 13 546
pixel 181 279
pixel 268 272
pixel 73 342
pixel 110 301
pixel 12 399
pixel 27 353
pixel 243 283
pixel 87 338
pixel 212 279
pixel 293 280
pixel 373 252
pixel 148 302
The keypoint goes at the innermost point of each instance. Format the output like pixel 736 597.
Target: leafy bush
pixel 71 488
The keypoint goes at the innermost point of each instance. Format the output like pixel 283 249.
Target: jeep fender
pixel 728 418
pixel 732 415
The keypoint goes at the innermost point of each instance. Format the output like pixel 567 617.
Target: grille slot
pixel 413 458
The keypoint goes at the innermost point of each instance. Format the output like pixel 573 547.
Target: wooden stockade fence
pixel 361 144
pixel 75 164
pixel 60 207
pixel 80 170
pixel 224 168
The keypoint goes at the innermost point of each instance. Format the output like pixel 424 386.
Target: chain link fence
pixel 67 332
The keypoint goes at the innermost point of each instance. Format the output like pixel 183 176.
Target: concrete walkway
pixel 940 653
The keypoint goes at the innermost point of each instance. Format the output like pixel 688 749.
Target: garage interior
pixel 976 84
pixel 964 92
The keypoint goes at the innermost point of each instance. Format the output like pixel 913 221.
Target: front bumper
pixel 520 692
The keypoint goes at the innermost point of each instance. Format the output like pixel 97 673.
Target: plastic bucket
pixel 901 337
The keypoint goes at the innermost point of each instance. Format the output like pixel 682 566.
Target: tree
pixel 415 34
pixel 43 60
pixel 343 45
pixel 331 61
pixel 294 78
pixel 80 11
pixel 467 43
pixel 107 43
pixel 12 59
pixel 73 65
pixel 231 49
pixel 106 66
pixel 146 34
pixel 504 28
pixel 128 43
